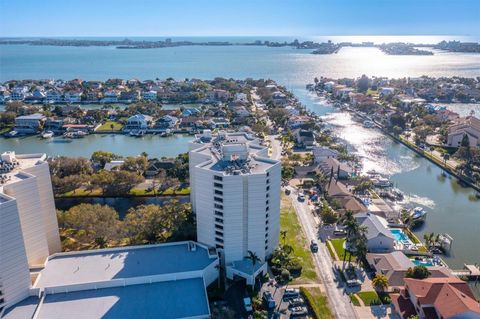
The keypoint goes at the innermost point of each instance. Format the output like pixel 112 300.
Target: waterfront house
pixel 56 125
pixel 297 121
pixel 18 93
pixel 110 96
pixel 321 153
pixel 112 165
pixel 129 96
pixel 469 126
pixel 72 96
pixel 328 86
pixel 29 124
pixel 150 95
pixel 292 110
pixel 304 139
pixel 54 96
pixel 340 170
pixel 138 122
pixel 279 99
pixel 78 128
pixel 192 111
pixel 166 122
pixel 394 266
pixel 219 122
pixel 379 236
pixel 217 95
pixel 445 298
pixel 445 115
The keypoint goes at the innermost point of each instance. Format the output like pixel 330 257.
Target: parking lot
pixel 283 308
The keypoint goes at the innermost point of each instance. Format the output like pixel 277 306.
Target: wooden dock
pixel 471 272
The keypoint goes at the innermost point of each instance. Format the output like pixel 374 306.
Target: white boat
pixel 11 134
pixel 368 124
pixel 418 214
pixel 75 134
pixel 381 182
pixel 47 134
pixel 137 133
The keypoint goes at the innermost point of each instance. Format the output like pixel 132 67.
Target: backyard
pixel 110 126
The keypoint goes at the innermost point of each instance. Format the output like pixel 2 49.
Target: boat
pixel 418 215
pixel 137 133
pixel 381 182
pixel 397 193
pixel 11 134
pixel 75 134
pixel 47 134
pixel 445 241
pixel 368 124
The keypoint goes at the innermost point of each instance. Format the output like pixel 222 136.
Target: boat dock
pixel 469 271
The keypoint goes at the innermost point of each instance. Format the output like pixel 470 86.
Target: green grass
pixel 318 302
pixel 354 300
pixel 330 251
pixel 371 298
pixel 106 127
pixel 296 239
pixel 338 246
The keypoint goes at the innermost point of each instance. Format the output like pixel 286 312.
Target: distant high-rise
pixel 235 193
pixel 28 222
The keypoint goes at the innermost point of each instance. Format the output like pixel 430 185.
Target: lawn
pixel 318 302
pixel 296 239
pixel 371 298
pixel 106 127
pixel 338 246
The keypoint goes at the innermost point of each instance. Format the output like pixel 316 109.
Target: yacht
pixel 11 134
pixel 47 134
pixel 381 182
pixel 137 133
pixel 418 215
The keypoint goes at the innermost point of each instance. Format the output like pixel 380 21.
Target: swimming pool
pixel 426 263
pixel 399 235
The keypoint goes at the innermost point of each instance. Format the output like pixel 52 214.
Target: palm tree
pixel 253 257
pixel 380 282
pixel 283 233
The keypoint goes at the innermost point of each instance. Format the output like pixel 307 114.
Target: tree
pixel 283 234
pixel 418 272
pixel 363 84
pixel 380 282
pixel 115 182
pixel 254 259
pixel 63 166
pixel 136 164
pixel 328 215
pixel 112 126
pixel 96 223
pixel 103 157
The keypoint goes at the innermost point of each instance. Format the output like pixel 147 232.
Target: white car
pixel 247 303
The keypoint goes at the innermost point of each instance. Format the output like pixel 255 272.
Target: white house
pixel 387 91
pixel 297 120
pixel 150 95
pixel 469 126
pixel 73 96
pixel 54 96
pixel 29 124
pixel 138 122
pixel 110 96
pixel 379 237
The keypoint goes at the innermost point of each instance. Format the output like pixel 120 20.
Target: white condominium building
pixel 28 222
pixel 235 193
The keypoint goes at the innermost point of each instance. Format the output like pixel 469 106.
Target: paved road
pixel 275 146
pixel 339 301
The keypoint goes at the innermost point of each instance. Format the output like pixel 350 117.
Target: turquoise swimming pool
pixel 426 263
pixel 399 235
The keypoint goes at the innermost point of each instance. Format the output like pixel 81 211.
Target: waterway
pixel 450 207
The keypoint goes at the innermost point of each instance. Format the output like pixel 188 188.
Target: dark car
pixel 268 299
pixel 313 246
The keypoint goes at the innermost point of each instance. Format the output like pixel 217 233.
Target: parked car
pixel 354 283
pixel 291 293
pixel 295 302
pixel 301 197
pixel 339 232
pixel 247 303
pixel 298 311
pixel 268 299
pixel 313 246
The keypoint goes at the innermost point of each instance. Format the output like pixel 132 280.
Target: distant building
pixel 235 194
pixel 150 95
pixel 469 126
pixel 73 96
pixel 166 122
pixel 29 124
pixel 340 170
pixel 321 153
pixel 304 139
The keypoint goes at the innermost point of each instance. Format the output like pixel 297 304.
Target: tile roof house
pixel 470 126
pixel 436 298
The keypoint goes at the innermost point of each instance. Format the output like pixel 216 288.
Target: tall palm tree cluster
pixel 356 241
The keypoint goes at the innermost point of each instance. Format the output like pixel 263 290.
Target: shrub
pixel 285 275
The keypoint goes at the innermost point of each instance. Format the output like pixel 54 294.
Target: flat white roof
pixel 121 263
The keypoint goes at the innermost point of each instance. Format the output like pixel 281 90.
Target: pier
pixel 470 272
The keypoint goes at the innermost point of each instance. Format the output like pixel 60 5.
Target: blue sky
pixel 238 17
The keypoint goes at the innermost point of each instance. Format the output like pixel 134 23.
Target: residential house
pixel 394 266
pixel 292 110
pixel 138 122
pixel 166 122
pixel 29 124
pixel 110 96
pixel 443 298
pixel 192 111
pixel 386 91
pixel 219 122
pixel 72 96
pixel 445 115
pixel 150 95
pixel 241 97
pixel 129 96
pixel 469 126
pixel 218 95
pixel 112 165
pixel 340 170
pixel 304 139
pixel 54 96
pixel 279 99
pixel 297 121
pixel 379 236
pixel 321 153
